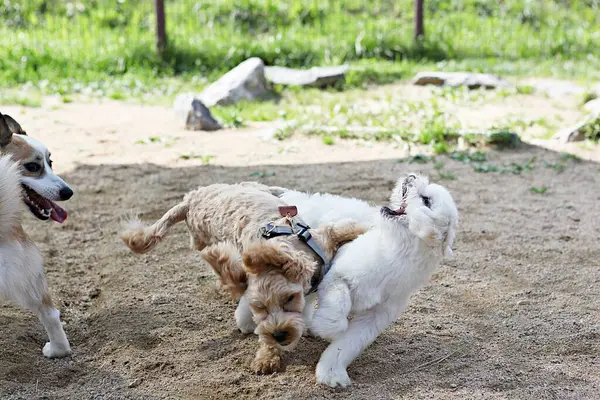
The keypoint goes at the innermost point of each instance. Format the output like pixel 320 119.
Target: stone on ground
pixel 556 88
pixel 314 77
pixel 592 106
pixel 244 82
pixel 194 114
pixel 459 79
pixel 575 133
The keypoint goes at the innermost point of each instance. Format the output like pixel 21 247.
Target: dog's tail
pixel 11 202
pixel 141 238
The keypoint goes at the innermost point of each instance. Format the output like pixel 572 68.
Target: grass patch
pixel 259 174
pixel 328 140
pixel 566 157
pixel 418 159
pixel 105 47
pixel 447 175
pixel 539 190
pixel 591 130
pixel 589 96
pixel 205 158
pixel 525 89
pixel 167 141
pixel 117 96
pixel 479 162
pixel 11 98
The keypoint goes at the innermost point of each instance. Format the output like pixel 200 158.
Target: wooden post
pixel 161 33
pixel 419 26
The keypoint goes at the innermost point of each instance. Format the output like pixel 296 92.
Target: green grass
pixel 591 130
pixel 26 100
pixel 106 47
pixel 328 140
pixel 539 190
pixel 206 159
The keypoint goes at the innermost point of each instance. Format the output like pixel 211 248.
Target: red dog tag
pixel 288 211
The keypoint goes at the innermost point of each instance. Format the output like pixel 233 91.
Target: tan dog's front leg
pixel 267 360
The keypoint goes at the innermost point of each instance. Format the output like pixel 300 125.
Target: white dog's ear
pixel 449 241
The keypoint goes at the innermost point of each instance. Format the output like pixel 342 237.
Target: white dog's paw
pixel 307 333
pixel 56 351
pixel 247 327
pixel 328 329
pixel 332 375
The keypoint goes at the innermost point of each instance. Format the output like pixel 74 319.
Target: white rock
pixel 316 76
pixel 244 82
pixel 457 79
pixel 592 106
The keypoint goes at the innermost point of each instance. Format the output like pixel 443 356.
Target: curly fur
pixel 224 223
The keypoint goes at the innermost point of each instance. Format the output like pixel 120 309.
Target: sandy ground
pixel 108 132
pixel 515 315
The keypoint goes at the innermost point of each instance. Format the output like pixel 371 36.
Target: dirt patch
pixel 514 315
pixel 107 132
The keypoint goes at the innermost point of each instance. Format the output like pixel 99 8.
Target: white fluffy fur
pixel 373 277
pixel 22 278
pixel 11 205
pixel 323 208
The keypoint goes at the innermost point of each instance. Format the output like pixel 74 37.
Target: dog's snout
pixel 65 193
pixel 280 336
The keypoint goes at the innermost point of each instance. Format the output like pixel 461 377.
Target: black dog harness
pixel 301 230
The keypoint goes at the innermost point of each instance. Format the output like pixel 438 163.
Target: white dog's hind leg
pixel 331 317
pixel 243 316
pixel 308 311
pixel 361 332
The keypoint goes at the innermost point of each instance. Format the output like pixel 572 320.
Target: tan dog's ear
pixel 13 125
pixel 225 260
pixel 339 233
pixel 270 255
pixel 5 132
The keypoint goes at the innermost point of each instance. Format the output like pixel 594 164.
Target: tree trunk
pixel 419 26
pixel 161 34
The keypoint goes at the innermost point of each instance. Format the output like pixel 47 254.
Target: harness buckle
pixel 266 231
pixel 304 235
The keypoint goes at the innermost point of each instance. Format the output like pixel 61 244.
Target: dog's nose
pixel 280 336
pixel 65 193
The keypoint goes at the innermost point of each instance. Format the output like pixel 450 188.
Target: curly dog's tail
pixel 141 238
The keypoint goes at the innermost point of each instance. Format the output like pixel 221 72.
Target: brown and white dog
pixel 26 176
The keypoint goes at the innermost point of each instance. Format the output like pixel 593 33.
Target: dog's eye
pixel 49 162
pixel 259 307
pixel 426 201
pixel 290 299
pixel 32 167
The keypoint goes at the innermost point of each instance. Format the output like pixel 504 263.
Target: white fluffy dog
pixel 373 277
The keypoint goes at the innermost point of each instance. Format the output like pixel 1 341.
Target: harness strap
pixel 302 231
pixel 305 236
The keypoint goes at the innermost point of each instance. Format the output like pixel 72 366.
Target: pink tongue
pixel 58 213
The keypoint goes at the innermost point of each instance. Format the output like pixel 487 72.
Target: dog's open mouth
pixel 388 212
pixel 400 211
pixel 43 208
